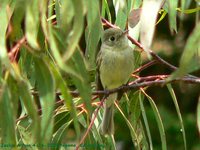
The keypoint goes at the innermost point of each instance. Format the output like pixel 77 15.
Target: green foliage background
pixel 37 108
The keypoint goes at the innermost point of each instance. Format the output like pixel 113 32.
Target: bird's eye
pixel 112 38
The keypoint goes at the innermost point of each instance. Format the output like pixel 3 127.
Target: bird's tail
pixel 107 126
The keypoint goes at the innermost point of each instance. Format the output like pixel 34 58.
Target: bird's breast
pixel 116 68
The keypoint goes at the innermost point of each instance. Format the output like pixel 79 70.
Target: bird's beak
pixel 125 32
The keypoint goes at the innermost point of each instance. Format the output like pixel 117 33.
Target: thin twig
pixel 145 66
pixel 13 52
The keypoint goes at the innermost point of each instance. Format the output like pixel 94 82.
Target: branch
pixel 148 81
pixel 14 51
pixel 145 66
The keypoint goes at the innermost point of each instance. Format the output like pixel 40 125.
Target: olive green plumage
pixel 115 63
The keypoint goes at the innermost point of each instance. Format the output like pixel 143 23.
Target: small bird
pixel 115 63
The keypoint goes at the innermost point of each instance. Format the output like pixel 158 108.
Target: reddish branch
pixel 145 66
pixel 157 80
pixel 14 51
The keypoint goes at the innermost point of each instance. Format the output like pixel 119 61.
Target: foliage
pixel 47 75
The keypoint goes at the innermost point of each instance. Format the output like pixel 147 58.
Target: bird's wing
pixel 99 85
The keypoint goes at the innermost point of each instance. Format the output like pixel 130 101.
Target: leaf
pixel 183 7
pixel 131 128
pixel 134 108
pixel 171 91
pixel 188 11
pixel 62 8
pixel 76 31
pixel 25 137
pixel 198 115
pixel 172 5
pixel 150 9
pixel 92 35
pixel 16 21
pixel 32 23
pixel 190 59
pixel 118 4
pixel 159 121
pixel 121 13
pixel 30 106
pixel 106 10
pixel 134 28
pixel 134 17
pixel 4 24
pixel 121 19
pixel 7 123
pixel 164 13
pixel 69 103
pixel 134 115
pixel 60 134
pixel 83 86
pixel 49 32
pixel 46 88
pixel 145 121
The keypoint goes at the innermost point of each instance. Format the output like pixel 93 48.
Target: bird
pixel 115 63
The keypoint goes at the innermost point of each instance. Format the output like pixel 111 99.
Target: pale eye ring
pixel 112 38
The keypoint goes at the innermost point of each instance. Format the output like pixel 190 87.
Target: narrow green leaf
pixel 56 44
pixel 183 7
pixel 133 133
pixel 172 5
pixel 164 13
pixel 46 88
pixel 7 123
pixel 134 115
pixel 4 24
pixel 171 91
pixel 63 8
pixel 49 31
pixel 134 108
pixel 16 21
pixel 59 135
pixel 159 122
pixel 190 58
pixel 62 85
pixel 83 86
pixel 198 115
pixel 61 117
pixel 121 19
pixel 92 35
pixel 96 127
pixel 25 137
pixel 141 97
pixel 30 106
pixel 77 29
pixel 188 11
pixel 105 10
pixel 32 23
pixel 121 13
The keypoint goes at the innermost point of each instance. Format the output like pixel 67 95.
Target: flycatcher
pixel 115 63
